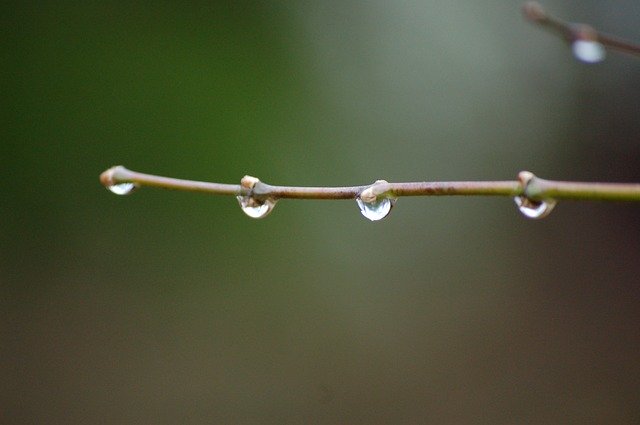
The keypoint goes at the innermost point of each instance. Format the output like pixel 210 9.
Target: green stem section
pixel 527 185
pixel 540 189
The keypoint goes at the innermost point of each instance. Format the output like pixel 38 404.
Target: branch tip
pixel 534 11
pixel 107 178
pixel 115 175
pixel 371 194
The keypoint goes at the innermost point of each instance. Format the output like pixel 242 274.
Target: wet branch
pixel 573 32
pixel 527 185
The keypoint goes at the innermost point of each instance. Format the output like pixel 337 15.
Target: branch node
pixel 373 192
pixel 584 32
pixel 527 179
pixel 248 182
pixel 533 188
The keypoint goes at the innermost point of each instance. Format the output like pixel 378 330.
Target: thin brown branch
pixel 527 185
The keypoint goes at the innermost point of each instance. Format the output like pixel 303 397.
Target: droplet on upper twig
pixel 588 51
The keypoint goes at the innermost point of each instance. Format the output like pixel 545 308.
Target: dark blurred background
pixel 167 307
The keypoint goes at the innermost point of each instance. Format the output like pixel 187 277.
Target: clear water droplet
pixel 254 208
pixel 123 188
pixel 534 209
pixel 376 210
pixel 589 51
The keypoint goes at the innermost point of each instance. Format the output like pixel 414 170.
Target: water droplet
pixel 123 188
pixel 534 209
pixel 376 210
pixel 589 51
pixel 254 208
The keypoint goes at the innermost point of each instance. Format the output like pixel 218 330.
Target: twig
pixel 572 32
pixel 527 185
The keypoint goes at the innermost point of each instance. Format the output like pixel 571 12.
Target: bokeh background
pixel 166 307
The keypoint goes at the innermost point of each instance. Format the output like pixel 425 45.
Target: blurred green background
pixel 167 307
